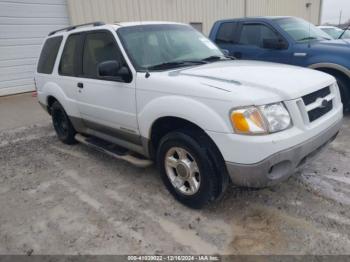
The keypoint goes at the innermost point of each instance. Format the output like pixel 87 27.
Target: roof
pixel 83 27
pixel 136 23
pixel 254 18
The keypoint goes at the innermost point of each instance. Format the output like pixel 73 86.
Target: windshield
pixel 300 30
pixel 150 46
pixel 333 32
pixel 346 35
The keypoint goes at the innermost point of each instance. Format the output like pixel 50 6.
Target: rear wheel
pixel 187 169
pixel 62 125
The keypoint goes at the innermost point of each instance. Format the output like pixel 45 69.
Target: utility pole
pixel 320 13
pixel 340 15
pixel 308 7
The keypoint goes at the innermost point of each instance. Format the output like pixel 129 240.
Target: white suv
pixel 163 92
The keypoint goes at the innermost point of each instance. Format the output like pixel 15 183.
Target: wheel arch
pixel 167 124
pixel 332 68
pixel 53 92
pixel 186 108
pixel 49 102
pixel 341 73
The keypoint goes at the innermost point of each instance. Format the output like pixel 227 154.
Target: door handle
pixel 80 85
pixel 238 55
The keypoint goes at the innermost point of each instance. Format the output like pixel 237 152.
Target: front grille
pixel 319 111
pixel 310 98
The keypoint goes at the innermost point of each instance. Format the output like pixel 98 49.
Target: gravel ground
pixel 59 199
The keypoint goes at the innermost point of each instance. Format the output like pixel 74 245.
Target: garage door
pixel 23 26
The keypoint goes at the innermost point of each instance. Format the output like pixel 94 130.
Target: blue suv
pixel 287 40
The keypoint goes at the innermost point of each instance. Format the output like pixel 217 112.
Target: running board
pixel 112 150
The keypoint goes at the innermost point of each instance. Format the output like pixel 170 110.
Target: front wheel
pixel 344 91
pixel 63 127
pixel 187 170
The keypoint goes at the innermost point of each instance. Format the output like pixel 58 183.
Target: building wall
pixel 205 11
pixel 286 8
pixel 23 26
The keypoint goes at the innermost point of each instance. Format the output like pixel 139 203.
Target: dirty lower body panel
pixel 281 165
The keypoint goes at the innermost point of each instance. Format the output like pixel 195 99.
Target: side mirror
pixel 108 68
pixel 274 43
pixel 225 52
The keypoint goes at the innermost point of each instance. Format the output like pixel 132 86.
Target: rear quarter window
pixel 69 65
pixel 48 55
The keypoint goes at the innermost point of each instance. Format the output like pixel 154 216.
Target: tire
pixel 211 181
pixel 344 91
pixel 62 125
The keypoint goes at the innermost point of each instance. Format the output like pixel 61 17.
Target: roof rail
pixel 69 28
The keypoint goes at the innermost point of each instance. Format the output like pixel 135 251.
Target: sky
pixel 331 10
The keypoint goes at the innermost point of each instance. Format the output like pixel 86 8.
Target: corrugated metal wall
pixel 205 11
pixel 285 8
pixel 23 26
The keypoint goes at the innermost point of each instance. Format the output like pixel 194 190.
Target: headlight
pixel 276 116
pixel 260 120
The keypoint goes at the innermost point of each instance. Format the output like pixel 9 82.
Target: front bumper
pixel 281 165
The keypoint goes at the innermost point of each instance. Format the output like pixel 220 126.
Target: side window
pixel 99 47
pixel 68 65
pixel 254 34
pixel 226 33
pixel 48 55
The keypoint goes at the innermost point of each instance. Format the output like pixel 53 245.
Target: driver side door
pixel 106 105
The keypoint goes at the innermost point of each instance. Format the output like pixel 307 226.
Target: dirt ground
pixel 59 199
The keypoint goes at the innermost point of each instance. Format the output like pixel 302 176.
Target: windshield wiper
pixel 215 58
pixel 172 64
pixel 307 38
pixel 345 29
pixel 168 65
pixel 212 58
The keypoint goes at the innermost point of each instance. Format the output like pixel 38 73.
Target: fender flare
pixel 54 90
pixel 186 108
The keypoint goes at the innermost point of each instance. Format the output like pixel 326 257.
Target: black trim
pixel 118 133
pixel 122 133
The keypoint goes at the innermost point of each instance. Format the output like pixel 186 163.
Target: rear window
pixel 48 55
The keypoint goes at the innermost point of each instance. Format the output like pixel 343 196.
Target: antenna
pixel 308 6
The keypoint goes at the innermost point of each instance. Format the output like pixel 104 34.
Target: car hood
pixel 337 43
pixel 256 80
